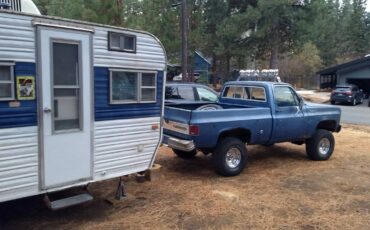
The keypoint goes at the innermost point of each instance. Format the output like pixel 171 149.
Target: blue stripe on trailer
pixel 26 114
pixel 105 111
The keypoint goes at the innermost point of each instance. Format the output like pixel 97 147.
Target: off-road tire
pixel 184 154
pixel 313 145
pixel 219 157
pixel 332 102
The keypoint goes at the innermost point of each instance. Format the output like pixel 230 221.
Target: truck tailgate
pixel 177 115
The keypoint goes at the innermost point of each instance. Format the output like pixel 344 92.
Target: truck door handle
pixel 47 110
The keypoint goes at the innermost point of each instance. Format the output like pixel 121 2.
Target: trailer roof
pixel 85 23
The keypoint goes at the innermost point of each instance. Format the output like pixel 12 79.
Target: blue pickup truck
pixel 250 113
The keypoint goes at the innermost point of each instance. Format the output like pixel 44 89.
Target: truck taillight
pixel 194 130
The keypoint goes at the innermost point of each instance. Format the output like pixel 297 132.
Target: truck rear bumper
pixel 175 143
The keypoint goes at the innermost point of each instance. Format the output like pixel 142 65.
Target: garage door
pixel 363 84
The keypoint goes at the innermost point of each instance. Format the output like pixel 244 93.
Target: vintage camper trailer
pixel 79 103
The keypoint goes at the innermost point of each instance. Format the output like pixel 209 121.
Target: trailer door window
pixel 6 82
pixel 66 85
pixel 127 87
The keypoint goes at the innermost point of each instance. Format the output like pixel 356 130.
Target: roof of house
pixel 201 55
pixel 348 66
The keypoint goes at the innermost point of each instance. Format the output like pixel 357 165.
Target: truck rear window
pixel 246 93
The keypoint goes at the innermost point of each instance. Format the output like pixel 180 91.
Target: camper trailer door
pixel 65 72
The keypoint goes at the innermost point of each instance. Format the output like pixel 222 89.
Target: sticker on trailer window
pixel 26 88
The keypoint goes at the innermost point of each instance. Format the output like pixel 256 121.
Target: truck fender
pixel 330 125
pixel 244 135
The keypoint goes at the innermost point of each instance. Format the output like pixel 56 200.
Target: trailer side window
pixel 127 87
pixel 6 81
pixel 148 87
pixel 122 42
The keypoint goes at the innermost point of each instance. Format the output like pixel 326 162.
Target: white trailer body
pixel 79 103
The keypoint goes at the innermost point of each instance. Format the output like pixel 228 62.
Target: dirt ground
pixel 281 189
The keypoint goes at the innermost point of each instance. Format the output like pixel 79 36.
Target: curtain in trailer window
pixel 124 86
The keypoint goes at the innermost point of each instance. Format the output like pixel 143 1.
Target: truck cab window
pixel 236 92
pixel 285 97
pixel 256 93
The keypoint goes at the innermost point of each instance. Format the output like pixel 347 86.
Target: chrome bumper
pixel 175 143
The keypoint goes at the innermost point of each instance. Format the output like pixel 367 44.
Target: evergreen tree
pixel 241 32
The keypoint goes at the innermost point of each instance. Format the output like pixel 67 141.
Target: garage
pixel 355 72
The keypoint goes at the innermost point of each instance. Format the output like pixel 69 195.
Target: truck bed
pixel 256 119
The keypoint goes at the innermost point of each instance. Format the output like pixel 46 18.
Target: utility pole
pixel 184 40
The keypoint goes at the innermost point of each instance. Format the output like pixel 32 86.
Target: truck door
pixel 289 123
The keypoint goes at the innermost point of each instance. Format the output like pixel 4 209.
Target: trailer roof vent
pixel 26 6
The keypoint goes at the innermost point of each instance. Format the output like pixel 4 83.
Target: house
pixel 201 68
pixel 354 72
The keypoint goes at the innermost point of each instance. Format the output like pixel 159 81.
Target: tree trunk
pixel 118 19
pixel 184 41
pixel 228 60
pixel 275 44
pixel 274 57
pixel 214 70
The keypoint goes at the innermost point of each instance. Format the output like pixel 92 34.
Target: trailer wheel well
pixel 329 125
pixel 242 134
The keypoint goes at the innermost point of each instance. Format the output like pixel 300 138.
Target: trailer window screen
pixel 66 87
pixel 6 82
pixel 122 42
pixel 132 87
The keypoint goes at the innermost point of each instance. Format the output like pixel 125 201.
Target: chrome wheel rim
pixel 233 158
pixel 324 146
